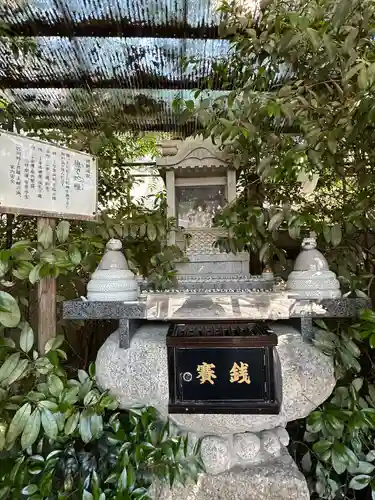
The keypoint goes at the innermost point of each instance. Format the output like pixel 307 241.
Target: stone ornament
pixel 113 280
pixel 311 277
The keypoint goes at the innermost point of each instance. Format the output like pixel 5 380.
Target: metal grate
pixel 219 330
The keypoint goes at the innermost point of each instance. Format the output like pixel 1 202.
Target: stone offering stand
pixel 245 455
pixel 131 315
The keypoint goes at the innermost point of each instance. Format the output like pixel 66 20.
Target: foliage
pixel 298 116
pixel 338 449
pixel 64 438
pixel 71 252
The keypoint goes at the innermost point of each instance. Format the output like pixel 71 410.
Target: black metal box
pixel 223 368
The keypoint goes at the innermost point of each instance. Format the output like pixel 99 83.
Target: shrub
pixel 63 437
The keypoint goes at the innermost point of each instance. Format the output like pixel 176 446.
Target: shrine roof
pixel 192 157
pixel 109 58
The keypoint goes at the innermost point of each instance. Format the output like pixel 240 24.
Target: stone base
pixel 139 376
pixel 212 265
pixel 277 480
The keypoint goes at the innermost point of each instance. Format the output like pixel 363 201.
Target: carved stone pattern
pixel 191 154
pixel 202 243
pixel 209 267
pixel 321 284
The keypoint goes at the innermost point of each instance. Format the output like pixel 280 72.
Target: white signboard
pixel 38 178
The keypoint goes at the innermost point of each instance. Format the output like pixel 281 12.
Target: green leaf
pixel 275 221
pixel 49 423
pixel 30 489
pixel 350 40
pixel 54 343
pixel 22 270
pixel 19 371
pixel 314 38
pixel 306 462
pixel 151 232
pixel 372 341
pixel 330 47
pixel 84 426
pixel 4 266
pixel 96 425
pixel 9 311
pixel 353 70
pixel 16 467
pixel 339 458
pixel 82 376
pixel 21 244
pixel 45 484
pixel 123 479
pixel 109 402
pixel 71 396
pixel 71 423
pixel 314 422
pixel 75 255
pixel 360 482
pixel 363 468
pixel 9 366
pixel 357 384
pixel 26 338
pixel 34 274
pixel 322 446
pixel 363 78
pixel 131 476
pixel 336 235
pixel 4 492
pixel 263 164
pixel 31 430
pixel 55 385
pixel 91 398
pixel 18 423
pixel 62 231
pixel 352 458
pixel 45 236
pixel 342 10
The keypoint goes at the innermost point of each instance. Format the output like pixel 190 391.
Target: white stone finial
pixel 112 280
pixel 114 244
pixel 311 277
pixel 309 243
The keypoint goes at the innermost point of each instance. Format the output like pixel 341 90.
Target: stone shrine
pixel 244 452
pixel 200 180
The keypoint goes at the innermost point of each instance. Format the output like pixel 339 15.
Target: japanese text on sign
pixel 36 176
pixel 238 373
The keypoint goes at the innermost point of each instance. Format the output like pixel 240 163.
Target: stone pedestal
pixel 245 456
pixel 276 480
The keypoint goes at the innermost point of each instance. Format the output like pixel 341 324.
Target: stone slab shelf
pixel 131 314
pixel 128 314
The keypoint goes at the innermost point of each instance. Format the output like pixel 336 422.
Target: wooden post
pixel 9 229
pixel 46 299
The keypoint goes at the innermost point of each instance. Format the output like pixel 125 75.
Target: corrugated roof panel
pixel 98 57
pixel 128 61
pixel 141 12
pixel 139 109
